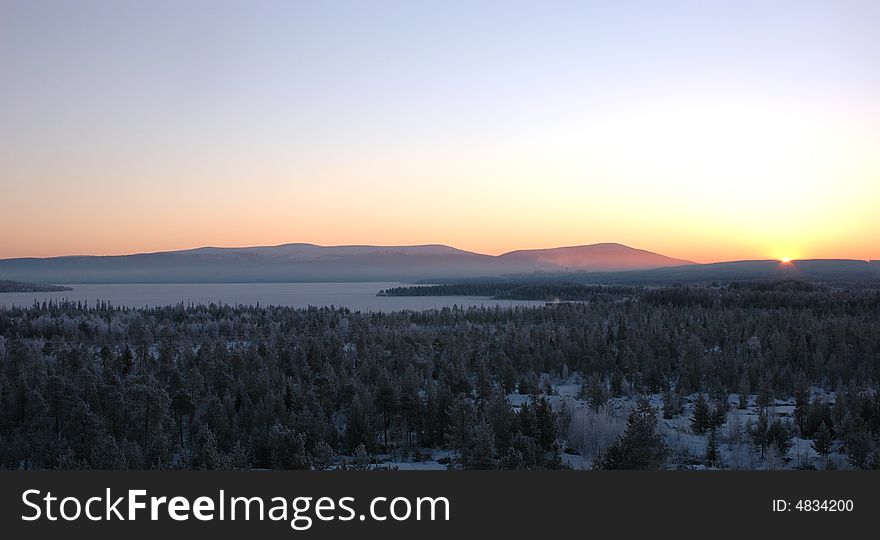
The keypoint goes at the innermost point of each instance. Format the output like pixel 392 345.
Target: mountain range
pixel 310 262
pixel 605 262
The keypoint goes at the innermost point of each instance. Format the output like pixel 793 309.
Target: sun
pixel 785 260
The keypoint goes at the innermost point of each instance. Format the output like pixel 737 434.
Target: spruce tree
pixel 823 441
pixel 640 447
pixel 857 443
pixel 360 458
pixel 759 433
pixel 719 414
pixel 481 452
pixel 672 404
pixel 764 396
pixel 595 393
pixel 744 391
pixel 712 449
pixel 702 418
pixel 801 404
pixel 779 434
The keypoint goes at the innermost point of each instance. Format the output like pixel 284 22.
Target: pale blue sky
pixel 152 108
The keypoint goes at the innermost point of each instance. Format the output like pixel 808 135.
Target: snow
pixel 687 449
pixel 430 464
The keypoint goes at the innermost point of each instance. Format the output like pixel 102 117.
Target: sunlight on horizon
pixel 701 132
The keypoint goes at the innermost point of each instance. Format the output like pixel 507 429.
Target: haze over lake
pixel 354 296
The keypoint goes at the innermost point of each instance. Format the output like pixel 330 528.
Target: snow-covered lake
pixel 355 296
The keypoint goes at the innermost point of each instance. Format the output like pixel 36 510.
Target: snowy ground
pixel 688 449
pixel 590 432
pixel 427 462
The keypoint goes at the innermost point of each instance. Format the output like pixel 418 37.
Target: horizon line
pixel 430 244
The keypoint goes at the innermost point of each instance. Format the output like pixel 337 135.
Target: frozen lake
pixel 355 296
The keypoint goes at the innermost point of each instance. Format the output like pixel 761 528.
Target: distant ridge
pixel 826 270
pixel 302 262
pixel 596 257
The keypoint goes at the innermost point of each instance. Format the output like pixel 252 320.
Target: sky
pixel 703 130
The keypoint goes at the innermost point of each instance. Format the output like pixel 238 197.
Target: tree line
pixel 97 386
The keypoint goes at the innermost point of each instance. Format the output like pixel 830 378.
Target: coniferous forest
pixel 767 375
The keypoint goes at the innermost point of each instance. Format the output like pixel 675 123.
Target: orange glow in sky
pixel 705 133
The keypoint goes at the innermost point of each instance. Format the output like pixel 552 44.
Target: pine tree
pixel 388 403
pixel 640 447
pixel 360 458
pixel 712 449
pixel 358 429
pixel 759 433
pixel 463 418
pixel 595 393
pixel 206 455
pixel 801 404
pixel 288 448
pixel 702 418
pixel 764 395
pixel 857 443
pixel 719 414
pixel 546 423
pixel 480 454
pixel 744 391
pixel 672 404
pixel 779 435
pixel 823 441
pixel 322 456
